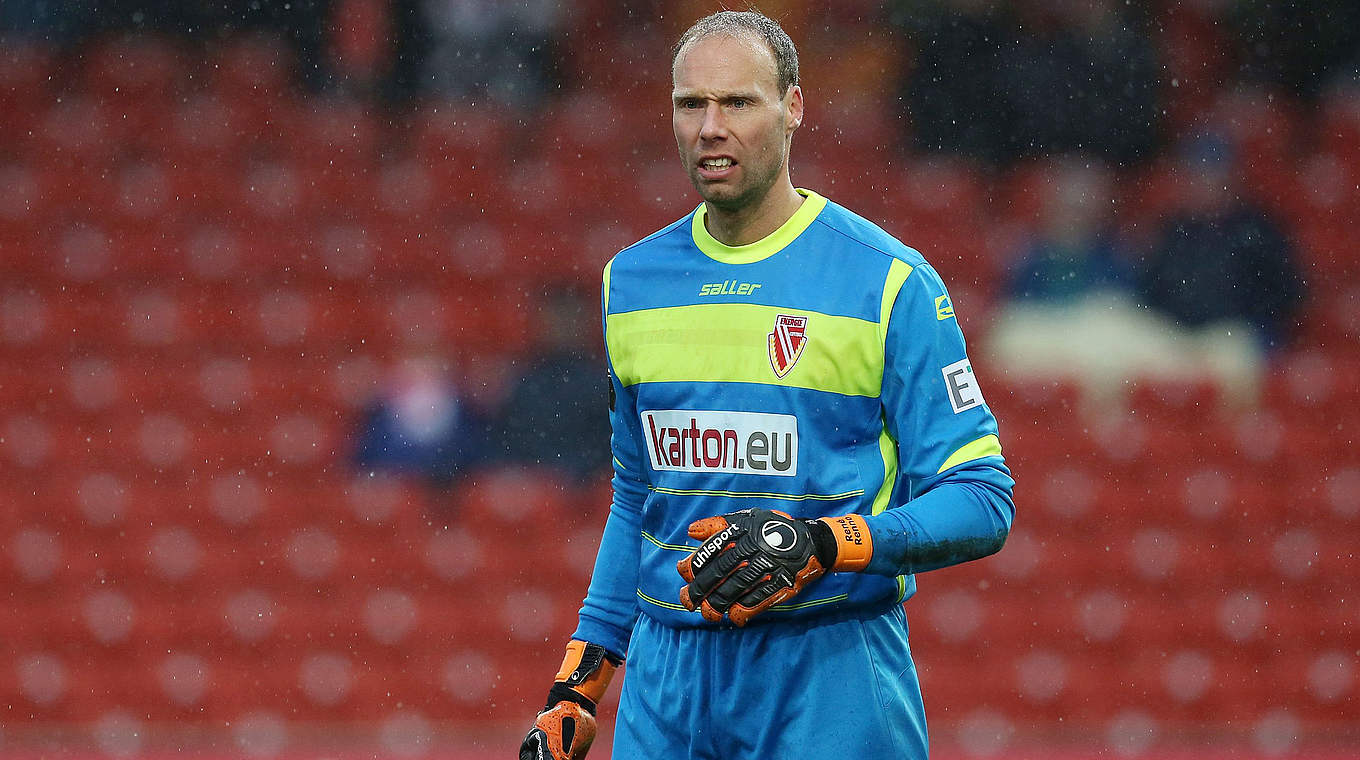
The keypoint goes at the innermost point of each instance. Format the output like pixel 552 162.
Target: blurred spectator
pixel 406 76
pixel 1005 81
pixel 555 414
pixel 1221 259
pixel 1296 44
pixel 953 91
pixel 1075 311
pixel 303 24
pixel 499 50
pixel 420 425
pixel 43 20
pixel 1069 291
pixel 1081 75
pixel 1075 252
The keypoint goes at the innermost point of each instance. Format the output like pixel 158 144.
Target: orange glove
pixel 566 727
pixel 754 559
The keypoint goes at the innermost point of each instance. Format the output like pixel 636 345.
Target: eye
pixel 738 102
pixel 690 103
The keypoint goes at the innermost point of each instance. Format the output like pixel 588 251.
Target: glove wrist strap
pixel 584 676
pixel 849 535
pixel 561 692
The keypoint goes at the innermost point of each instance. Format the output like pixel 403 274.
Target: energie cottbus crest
pixel 787 342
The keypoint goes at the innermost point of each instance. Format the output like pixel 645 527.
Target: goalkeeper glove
pixel 754 559
pixel 566 727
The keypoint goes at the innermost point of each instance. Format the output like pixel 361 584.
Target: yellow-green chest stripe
pixel 730 343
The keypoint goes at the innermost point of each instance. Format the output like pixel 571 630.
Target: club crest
pixel 787 342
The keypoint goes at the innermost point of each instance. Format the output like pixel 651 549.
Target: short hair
pixel 749 22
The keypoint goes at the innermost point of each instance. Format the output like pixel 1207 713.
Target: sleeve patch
pixel 944 308
pixel 964 393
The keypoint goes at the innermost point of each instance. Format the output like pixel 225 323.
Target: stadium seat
pixel 25 69
pixel 202 133
pixel 201 283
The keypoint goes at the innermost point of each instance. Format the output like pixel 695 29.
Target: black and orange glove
pixel 566 727
pixel 754 559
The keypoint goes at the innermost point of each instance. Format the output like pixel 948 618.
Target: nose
pixel 714 126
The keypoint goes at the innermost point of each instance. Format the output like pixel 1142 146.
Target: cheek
pixel 685 129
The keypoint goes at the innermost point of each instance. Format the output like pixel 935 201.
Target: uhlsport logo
pixel 779 536
pixel 787 342
pixel 711 547
pixel 748 443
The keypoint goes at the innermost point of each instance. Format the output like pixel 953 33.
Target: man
pixel 796 429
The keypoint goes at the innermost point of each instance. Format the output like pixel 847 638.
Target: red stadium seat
pixel 199 289
pixel 204 131
pixel 25 69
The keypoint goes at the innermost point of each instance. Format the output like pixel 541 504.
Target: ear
pixel 794 109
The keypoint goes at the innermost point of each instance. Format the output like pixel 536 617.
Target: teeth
pixel 717 163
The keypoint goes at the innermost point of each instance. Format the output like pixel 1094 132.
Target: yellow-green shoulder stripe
pixel 898 272
pixel 887 450
pixel 986 446
pixel 605 286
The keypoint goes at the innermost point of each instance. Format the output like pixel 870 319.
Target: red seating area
pixel 201 278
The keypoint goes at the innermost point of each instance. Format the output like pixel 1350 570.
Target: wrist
pixel 843 543
pixel 561 692
pixel 584 676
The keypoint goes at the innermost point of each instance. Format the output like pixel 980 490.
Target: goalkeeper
pixel 797 431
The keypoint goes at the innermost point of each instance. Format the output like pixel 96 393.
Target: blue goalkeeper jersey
pixel 819 371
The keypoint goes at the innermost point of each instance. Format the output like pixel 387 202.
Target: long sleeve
pixel 954 498
pixel 611 603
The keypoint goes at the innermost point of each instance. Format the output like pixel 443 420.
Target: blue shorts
pixel 839 685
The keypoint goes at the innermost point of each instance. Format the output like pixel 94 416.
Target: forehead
pixel 723 62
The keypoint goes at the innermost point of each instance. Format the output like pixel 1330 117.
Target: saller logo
pixel 786 342
pixel 749 443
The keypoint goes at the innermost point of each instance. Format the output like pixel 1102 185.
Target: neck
pixel 747 225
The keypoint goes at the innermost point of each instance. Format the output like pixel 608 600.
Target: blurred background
pixel 303 447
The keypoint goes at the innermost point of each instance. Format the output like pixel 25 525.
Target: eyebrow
pixel 680 95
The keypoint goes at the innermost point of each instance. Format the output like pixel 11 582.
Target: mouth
pixel 716 167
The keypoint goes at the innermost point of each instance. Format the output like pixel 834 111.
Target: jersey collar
pixel 765 247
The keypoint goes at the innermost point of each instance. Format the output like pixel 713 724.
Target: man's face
pixel 731 123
